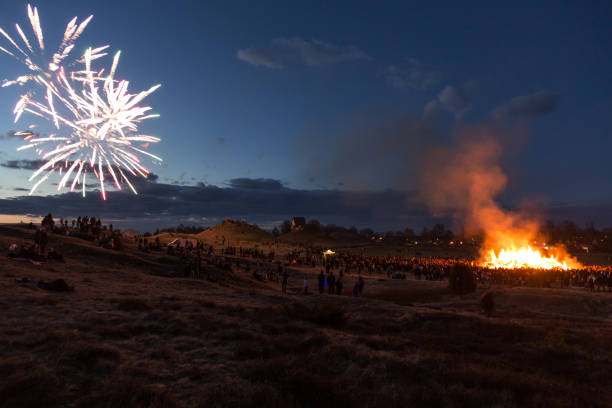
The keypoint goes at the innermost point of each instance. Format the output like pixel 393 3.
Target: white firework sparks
pixel 99 114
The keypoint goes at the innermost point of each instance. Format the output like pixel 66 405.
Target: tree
pixel 366 232
pixel 409 234
pixel 285 227
pixel 313 225
pixel 439 231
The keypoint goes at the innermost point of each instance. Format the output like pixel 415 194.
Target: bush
pixel 461 279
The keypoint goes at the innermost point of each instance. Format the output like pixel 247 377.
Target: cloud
pixel 317 53
pixel 221 140
pixel 255 184
pixel 450 99
pixel 412 74
pixel 10 134
pixel 36 164
pixel 540 103
pixel 259 58
pixel 23 164
pixel 158 205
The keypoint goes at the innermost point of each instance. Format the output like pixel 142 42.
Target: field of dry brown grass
pixel 136 334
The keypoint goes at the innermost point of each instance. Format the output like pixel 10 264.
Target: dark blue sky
pixel 282 90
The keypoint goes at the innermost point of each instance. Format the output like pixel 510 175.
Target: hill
pixel 236 233
pixel 136 333
pixel 228 232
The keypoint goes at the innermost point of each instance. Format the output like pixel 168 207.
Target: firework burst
pixel 95 116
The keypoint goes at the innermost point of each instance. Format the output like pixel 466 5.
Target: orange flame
pixel 467 179
pixel 527 257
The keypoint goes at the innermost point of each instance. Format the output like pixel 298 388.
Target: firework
pixel 95 116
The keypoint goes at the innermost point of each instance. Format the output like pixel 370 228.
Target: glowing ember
pixel 527 257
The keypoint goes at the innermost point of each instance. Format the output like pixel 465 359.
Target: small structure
pixel 183 243
pixel 328 253
pixel 298 223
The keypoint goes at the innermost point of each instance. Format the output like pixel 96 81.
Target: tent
pixel 183 242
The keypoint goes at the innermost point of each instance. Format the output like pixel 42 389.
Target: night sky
pixel 276 109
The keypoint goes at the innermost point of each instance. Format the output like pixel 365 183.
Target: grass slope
pixel 134 335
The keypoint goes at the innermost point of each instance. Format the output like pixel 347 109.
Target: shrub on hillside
pixel 461 279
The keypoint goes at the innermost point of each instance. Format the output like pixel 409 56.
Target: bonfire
pixel 527 257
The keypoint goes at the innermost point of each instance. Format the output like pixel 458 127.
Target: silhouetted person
pixel 285 280
pixel 321 282
pixel 331 282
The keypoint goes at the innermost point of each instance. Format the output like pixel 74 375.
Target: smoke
pixel 377 150
pixel 465 180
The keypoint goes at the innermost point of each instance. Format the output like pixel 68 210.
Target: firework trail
pixel 99 115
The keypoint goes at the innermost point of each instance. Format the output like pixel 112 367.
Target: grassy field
pixel 136 334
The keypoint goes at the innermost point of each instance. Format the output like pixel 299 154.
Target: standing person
pixel 331 281
pixel 305 284
pixel 356 289
pixel 361 283
pixel 40 238
pixel 285 280
pixel 321 282
pixel 339 285
pixel 198 264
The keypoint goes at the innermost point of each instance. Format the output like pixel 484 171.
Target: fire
pixel 527 257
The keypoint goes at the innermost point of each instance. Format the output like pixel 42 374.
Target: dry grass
pixel 128 336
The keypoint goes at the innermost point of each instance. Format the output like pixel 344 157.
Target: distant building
pixel 298 223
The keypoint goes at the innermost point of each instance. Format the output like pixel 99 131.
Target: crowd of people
pixel 595 278
pixel 85 227
pixel 195 256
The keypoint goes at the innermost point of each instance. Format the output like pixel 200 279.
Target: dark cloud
pixel 36 164
pixel 316 52
pixel 258 57
pixel 23 164
pixel 10 134
pixel 256 200
pixel 255 184
pixel 538 104
pixel 21 189
pixel 450 99
pixel 412 74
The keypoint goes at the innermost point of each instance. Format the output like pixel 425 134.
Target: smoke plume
pixel 465 180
